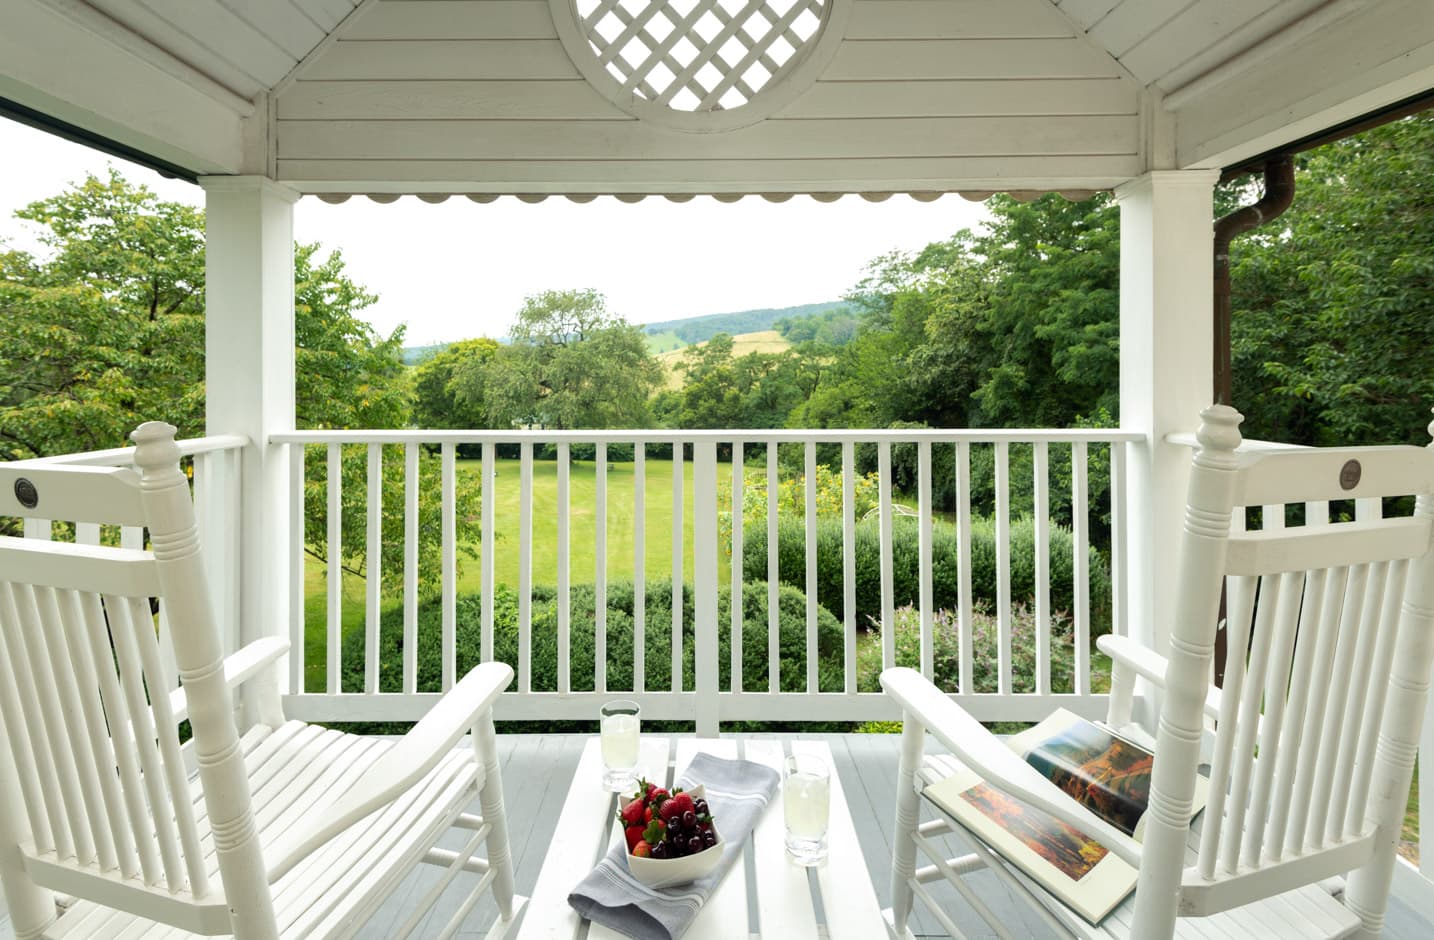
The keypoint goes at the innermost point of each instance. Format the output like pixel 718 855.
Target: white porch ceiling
pixel 482 97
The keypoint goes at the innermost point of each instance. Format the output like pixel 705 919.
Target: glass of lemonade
pixel 806 804
pixel 621 722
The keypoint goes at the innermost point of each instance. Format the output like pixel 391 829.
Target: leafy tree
pixel 1334 305
pixel 107 330
pixel 436 403
pixel 571 364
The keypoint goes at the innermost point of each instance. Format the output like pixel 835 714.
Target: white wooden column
pixel 249 380
pixel 1166 236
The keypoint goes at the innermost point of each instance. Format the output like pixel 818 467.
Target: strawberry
pixel 642 849
pixel 679 804
pixel 670 810
pixel 634 836
pixel 632 813
pixel 647 814
pixel 657 795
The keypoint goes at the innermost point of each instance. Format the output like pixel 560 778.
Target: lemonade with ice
pixel 619 729
pixel 806 807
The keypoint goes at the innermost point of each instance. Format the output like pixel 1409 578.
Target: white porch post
pixel 249 383
pixel 1166 346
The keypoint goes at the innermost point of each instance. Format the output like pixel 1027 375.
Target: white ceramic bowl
pixel 665 872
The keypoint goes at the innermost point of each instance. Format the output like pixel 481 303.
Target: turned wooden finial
pixel 155 448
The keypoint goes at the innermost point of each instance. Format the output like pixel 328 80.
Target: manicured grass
pixel 582 516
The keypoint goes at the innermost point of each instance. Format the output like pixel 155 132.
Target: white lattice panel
pixel 699 55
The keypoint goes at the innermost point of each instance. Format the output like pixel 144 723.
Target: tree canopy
pixel 571 364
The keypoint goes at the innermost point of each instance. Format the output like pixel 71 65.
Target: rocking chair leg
pixel 32 908
pixel 903 862
pixel 500 859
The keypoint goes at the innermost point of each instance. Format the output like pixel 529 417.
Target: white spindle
pixel 72 742
pixel 704 586
pixel 449 568
pixel 888 604
pixel 525 567
pixel 1003 566
pixel 118 838
pixel 25 752
pixel 487 583
pixel 774 655
pixel 297 557
pixel 564 587
pixel 335 609
pixel 410 568
pixel 1080 564
pixel 35 693
pixel 963 565
pixel 677 544
pixel 123 630
pixel 600 573
pixel 1272 518
pixel 1331 607
pixel 924 591
pixel 116 708
pixel 1276 683
pixel 1240 607
pixel 1325 787
pixel 41 529
pixel 175 774
pixel 736 604
pixel 810 515
pixel 1368 509
pixel 1368 734
pixel 1356 692
pixel 1317 512
pixel 1292 724
pixel 1119 563
pixel 1247 723
pixel 373 569
pixel 639 566
pixel 1040 457
pixel 848 563
pixel 52 731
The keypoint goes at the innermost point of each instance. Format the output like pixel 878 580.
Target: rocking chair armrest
pixel 406 763
pixel 985 754
pixel 1149 665
pixel 239 668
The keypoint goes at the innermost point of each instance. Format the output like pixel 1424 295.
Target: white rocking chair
pixel 1317 723
pixel 287 830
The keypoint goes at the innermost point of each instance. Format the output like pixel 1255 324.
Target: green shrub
pixel 906 560
pixel 985 651
pixel 657 641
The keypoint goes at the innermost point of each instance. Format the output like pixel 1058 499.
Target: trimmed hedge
pixel 906 561
pixel 657 636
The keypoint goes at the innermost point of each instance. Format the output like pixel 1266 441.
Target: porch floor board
pixel 538 768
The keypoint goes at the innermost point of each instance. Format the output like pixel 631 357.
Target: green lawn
pixel 582 500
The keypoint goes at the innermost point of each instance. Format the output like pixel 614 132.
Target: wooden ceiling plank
pixel 451 19
pixel 956 19
pixel 218 28
pixel 283 23
pixel 145 23
pixel 1129 23
pixel 1192 32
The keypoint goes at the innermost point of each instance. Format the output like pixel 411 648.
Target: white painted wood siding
pixel 480 96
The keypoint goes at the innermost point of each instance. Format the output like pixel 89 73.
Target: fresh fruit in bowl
pixel 669 835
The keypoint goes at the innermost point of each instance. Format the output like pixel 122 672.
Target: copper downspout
pixel 1279 193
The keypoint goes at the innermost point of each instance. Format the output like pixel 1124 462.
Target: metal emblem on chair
pixel 26 493
pixel 1349 474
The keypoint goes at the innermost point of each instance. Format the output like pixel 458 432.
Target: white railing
pixel 216 463
pixel 715 485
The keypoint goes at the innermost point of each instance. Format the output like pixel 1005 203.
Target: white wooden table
pixel 838 903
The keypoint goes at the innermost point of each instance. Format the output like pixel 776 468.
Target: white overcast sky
pixel 460 269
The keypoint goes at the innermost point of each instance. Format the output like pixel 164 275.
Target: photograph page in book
pixel 1107 774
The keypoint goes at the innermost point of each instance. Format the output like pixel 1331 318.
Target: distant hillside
pixel 413 355
pixel 766 341
pixel 699 329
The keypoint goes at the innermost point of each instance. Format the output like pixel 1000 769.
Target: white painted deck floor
pixel 537 770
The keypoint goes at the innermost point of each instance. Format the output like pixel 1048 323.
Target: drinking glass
pixel 621 721
pixel 806 805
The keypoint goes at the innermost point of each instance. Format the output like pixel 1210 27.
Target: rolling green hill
pixel 698 329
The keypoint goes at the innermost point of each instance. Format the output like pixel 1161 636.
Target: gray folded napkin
pixel 738 791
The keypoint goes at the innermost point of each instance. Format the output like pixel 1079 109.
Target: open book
pixel 1107 774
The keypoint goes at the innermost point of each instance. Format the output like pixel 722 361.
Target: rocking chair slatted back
pixel 1310 740
pixel 85 700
